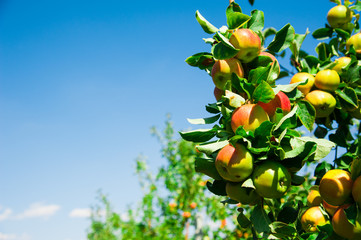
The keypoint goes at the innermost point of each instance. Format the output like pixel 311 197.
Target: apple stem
pixel 230 2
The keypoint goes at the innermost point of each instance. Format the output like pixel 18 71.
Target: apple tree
pixel 262 135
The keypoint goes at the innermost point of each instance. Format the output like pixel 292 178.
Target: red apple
pixel 222 71
pixel 250 116
pixel 271 56
pixel 234 163
pixel 218 93
pixel 280 101
pixel 248 43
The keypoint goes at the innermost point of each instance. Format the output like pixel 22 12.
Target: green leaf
pixel 269 32
pixel 260 220
pixel 297 180
pixel 248 183
pixel 201 60
pixel 287 215
pixel 207 26
pixel 222 51
pixel 256 23
pixel 297 42
pixel 218 187
pixel 287 118
pixel 321 169
pixel 342 33
pixel 211 147
pixel 199 135
pixel 242 220
pixel 209 120
pixel 225 41
pixel 322 33
pixel 235 17
pixel 263 93
pixel 323 51
pixel 207 167
pixel 323 146
pixel 259 74
pixel 306 113
pixel 283 39
pixel 282 229
pixel 349 95
pixel 356 168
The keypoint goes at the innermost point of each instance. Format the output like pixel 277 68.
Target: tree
pixel 324 97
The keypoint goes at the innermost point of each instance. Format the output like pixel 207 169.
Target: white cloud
pixel 80 213
pixel 4 215
pixel 23 236
pixel 39 210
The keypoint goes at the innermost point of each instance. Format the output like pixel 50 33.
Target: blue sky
pixel 82 83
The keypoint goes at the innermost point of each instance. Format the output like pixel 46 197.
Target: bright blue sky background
pixel 82 82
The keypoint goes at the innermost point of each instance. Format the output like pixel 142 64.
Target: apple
pixel 193 205
pixel 340 224
pixel 280 101
pixel 241 194
pixel 186 215
pixel 338 16
pixel 248 43
pixel 329 208
pixel 341 63
pixel 218 93
pixel 302 76
pixel 250 116
pixel 274 60
pixel 327 80
pixel 356 191
pixel 323 102
pixel 312 218
pixel 354 40
pixel 234 163
pixel 336 186
pixel 271 179
pixel 314 198
pixel 222 71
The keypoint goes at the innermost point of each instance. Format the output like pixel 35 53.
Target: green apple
pixel 241 194
pixel 234 163
pixel 248 43
pixel 271 179
pixel 338 16
pixel 303 76
pixel 327 80
pixel 222 71
pixel 323 102
pixel 250 116
pixel 341 63
pixel 354 40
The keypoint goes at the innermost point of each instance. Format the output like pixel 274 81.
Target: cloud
pixel 80 213
pixel 4 215
pixel 23 236
pixel 39 210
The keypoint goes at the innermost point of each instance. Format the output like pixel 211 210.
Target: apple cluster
pixel 335 195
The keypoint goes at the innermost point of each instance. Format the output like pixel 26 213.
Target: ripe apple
pixel 234 163
pixel 241 194
pixel 356 191
pixel 327 80
pixel 218 93
pixel 222 71
pixel 329 208
pixel 250 116
pixel 340 224
pixel 312 218
pixel 341 63
pixel 280 101
pixel 274 59
pixel 339 16
pixel 314 198
pixel 323 102
pixel 186 215
pixel 336 186
pixel 248 43
pixel 354 40
pixel 193 205
pixel 271 179
pixel 300 77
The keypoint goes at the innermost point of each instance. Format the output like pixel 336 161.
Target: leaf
pixel 234 99
pixel 209 120
pixel 222 51
pixel 269 32
pixel 306 113
pixel 323 146
pixel 201 60
pixel 342 33
pixel 283 39
pixel 286 117
pixel 322 33
pixel 218 187
pixel 297 42
pixel 199 135
pixel 259 74
pixel 286 88
pixel 260 219
pixel 211 147
pixel 207 167
pixel 297 180
pixel 248 183
pixel 321 169
pixel 256 23
pixel 235 17
pixel 283 229
pixel 263 93
pixel 287 215
pixel 242 220
pixel 349 95
pixel 206 26
pixel 225 41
